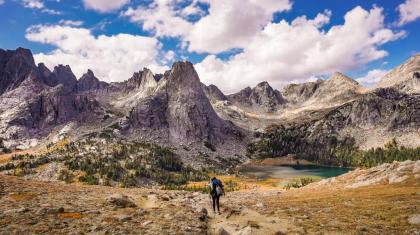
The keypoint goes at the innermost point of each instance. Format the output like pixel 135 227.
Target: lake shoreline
pixel 287 161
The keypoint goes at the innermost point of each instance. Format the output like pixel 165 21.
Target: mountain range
pixel 174 109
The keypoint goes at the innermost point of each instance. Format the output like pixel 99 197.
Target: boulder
pixel 121 200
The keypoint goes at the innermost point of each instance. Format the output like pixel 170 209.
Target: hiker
pixel 216 190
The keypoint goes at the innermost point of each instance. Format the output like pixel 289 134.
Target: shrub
pixel 89 179
pixel 299 183
pixel 65 176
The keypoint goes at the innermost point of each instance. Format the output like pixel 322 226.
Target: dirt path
pixel 240 215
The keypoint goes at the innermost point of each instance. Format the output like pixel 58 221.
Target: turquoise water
pixel 288 172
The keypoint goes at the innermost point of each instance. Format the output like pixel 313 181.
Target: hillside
pixel 329 205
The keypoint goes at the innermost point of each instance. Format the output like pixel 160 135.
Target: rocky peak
pixel 20 56
pixel 184 74
pixel 213 93
pixel 190 114
pixel 404 77
pixel 261 97
pixel 89 82
pixel 15 65
pixel 242 95
pixel 148 79
pixel 178 109
pixel 63 75
pixel 297 93
pixel 339 78
pixel 44 70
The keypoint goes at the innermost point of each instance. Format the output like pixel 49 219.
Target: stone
pixel 123 218
pixel 245 231
pixel 165 197
pixel 222 231
pixel 121 200
pixel 259 205
pixel 414 219
pixel 19 210
pixel 146 223
pixel 203 215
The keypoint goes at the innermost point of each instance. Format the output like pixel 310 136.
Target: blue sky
pixel 233 44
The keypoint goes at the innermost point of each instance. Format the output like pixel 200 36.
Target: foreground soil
pixel 36 207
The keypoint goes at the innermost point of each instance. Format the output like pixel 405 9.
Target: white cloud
pixel 39 5
pixel 372 77
pixel 112 58
pixel 284 51
pixel 1 2
pixel 51 11
pixel 161 18
pixel 228 24
pixel 71 22
pixel 409 11
pixel 35 4
pixel 104 5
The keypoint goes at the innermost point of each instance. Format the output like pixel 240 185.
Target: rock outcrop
pixel 35 100
pixel 15 66
pixel 338 89
pixel 262 97
pixel 88 82
pixel 405 77
pixel 213 93
pixel 177 109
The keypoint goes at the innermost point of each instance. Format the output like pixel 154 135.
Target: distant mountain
pixel 213 93
pixel 35 100
pixel 15 66
pixel 89 82
pixel 337 89
pixel 202 125
pixel 38 106
pixel 405 77
pixel 262 97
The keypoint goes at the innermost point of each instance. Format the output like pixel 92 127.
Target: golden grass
pixel 70 215
pixel 245 183
pixel 22 196
pixel 373 208
pixel 5 158
pixel 60 144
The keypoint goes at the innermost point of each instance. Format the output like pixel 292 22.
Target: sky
pixel 232 43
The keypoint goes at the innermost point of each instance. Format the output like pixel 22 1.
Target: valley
pixel 135 157
pixel 379 200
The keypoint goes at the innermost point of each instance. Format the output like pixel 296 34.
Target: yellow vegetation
pixel 381 207
pixel 70 215
pixel 24 196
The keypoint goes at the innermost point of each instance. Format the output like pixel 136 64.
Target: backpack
pixel 219 190
pixel 215 187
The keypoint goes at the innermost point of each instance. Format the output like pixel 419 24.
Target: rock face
pixel 405 77
pixel 338 89
pixel 14 68
pixel 175 108
pixel 35 100
pixel 213 93
pixel 178 108
pixel 89 82
pixel 263 97
pixel 386 108
pixel 170 109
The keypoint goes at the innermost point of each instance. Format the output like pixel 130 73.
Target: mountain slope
pixel 171 109
pixel 262 97
pixel 405 77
